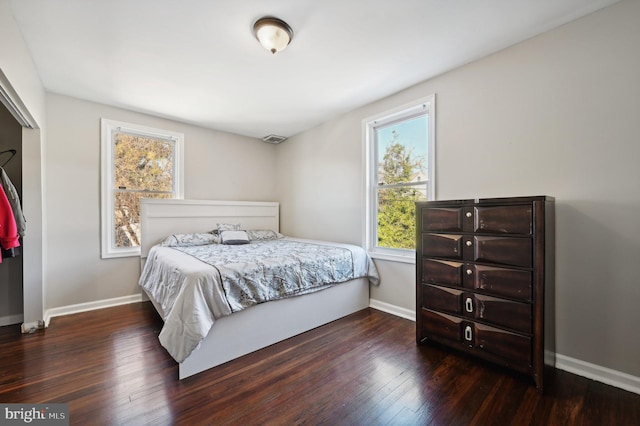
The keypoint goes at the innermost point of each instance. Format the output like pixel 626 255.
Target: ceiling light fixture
pixel 273 34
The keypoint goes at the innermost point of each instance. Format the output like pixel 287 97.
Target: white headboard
pixel 160 218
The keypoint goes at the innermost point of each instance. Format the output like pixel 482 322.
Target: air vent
pixel 275 139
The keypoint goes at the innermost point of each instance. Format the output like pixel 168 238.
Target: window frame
pixel 405 112
pixel 107 129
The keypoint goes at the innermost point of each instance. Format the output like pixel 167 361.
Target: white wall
pixel 556 115
pixel 18 67
pixel 217 166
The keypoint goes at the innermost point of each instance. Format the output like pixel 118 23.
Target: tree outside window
pixel 401 182
pixel 143 168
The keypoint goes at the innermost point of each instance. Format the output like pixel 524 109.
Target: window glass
pixel 401 180
pixel 143 163
pixel 126 223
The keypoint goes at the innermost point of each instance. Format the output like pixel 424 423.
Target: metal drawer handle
pixel 468 334
pixel 468 214
pixel 469 272
pixel 468 305
pixel 469 243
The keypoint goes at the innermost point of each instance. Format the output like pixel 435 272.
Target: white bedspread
pixel 189 294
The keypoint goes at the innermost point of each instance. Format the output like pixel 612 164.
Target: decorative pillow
pixel 263 234
pixel 228 227
pixel 234 237
pixel 185 240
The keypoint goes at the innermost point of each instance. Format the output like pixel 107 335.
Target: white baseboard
pixel 89 306
pixel 562 362
pixel 11 319
pixel 598 373
pixel 393 309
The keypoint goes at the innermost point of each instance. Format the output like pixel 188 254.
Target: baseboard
pixel 598 373
pixel 562 362
pixel 392 309
pixel 11 319
pixel 89 306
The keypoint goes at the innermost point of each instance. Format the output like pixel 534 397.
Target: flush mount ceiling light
pixel 273 34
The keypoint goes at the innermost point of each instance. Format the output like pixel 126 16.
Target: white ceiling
pixel 197 61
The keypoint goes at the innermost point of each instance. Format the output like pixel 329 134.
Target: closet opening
pixel 11 267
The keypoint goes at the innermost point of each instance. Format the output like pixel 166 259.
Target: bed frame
pixel 259 326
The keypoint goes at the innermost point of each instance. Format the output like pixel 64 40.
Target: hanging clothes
pixel 9 237
pixel 14 202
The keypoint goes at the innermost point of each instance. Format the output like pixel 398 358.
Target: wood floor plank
pixel 363 369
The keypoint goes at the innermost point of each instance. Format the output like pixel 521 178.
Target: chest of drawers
pixel 484 272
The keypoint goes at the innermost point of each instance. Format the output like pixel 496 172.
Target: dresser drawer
pixel 503 250
pixel 504 219
pixel 442 272
pixel 501 312
pixel 441 325
pixel 447 219
pixel 442 299
pixel 442 245
pixel 514 283
pixel 513 348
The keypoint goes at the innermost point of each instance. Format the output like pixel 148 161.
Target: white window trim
pixel 106 166
pixel 369 157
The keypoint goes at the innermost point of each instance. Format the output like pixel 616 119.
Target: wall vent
pixel 275 139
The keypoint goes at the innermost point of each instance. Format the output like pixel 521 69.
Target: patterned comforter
pixel 192 286
pixel 271 270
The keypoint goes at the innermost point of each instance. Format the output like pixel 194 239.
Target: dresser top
pixel 489 201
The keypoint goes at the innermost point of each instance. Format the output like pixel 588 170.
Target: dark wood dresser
pixel 484 271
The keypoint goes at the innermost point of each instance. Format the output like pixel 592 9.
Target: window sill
pixel 393 257
pixel 119 254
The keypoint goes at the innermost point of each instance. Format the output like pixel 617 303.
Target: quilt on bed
pixel 272 270
pixel 192 286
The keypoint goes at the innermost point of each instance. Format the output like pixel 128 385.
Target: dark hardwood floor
pixel 364 369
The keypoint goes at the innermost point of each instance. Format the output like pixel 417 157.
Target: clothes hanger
pixel 10 151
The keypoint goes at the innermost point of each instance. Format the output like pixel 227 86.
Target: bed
pixel 221 334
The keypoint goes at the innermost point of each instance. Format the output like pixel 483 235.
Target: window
pixel 400 159
pixel 137 162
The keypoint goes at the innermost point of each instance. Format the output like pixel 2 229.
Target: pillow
pixel 228 227
pixel 263 234
pixel 186 240
pixel 234 237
